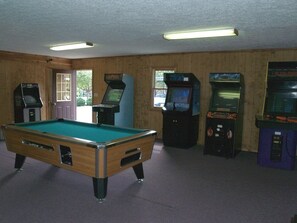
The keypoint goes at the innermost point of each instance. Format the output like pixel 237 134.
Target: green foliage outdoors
pixel 80 102
pixel 89 101
pixel 84 87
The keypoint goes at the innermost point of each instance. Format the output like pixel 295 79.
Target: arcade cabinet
pixel 181 110
pixel 117 105
pixel 27 103
pixel 223 134
pixel 278 123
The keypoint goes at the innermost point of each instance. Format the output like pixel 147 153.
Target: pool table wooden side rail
pixel 134 152
pixel 83 157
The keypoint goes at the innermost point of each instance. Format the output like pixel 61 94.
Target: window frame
pixel 63 87
pixel 154 88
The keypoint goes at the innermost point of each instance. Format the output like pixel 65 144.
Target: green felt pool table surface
pixel 87 131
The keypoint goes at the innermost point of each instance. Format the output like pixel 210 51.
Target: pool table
pixel 96 150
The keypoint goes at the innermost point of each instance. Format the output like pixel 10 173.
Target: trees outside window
pixel 159 87
pixel 84 87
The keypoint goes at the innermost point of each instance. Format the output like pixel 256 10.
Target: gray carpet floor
pixel 182 186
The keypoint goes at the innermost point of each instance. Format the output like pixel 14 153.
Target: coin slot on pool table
pixel 135 155
pixel 37 145
pixel 65 154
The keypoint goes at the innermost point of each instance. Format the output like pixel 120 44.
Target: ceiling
pixel 135 27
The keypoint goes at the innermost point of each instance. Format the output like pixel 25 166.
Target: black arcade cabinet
pixel 27 103
pixel 181 110
pixel 117 106
pixel 278 123
pixel 223 134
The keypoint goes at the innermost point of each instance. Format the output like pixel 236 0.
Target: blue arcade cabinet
pixel 278 123
pixel 181 110
pixel 117 106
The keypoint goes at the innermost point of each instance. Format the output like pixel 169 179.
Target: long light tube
pixel 200 34
pixel 72 46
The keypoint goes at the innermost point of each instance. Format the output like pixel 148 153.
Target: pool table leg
pixel 138 170
pixel 19 161
pixel 100 187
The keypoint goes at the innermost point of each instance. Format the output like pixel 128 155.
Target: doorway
pixel 63 94
pixel 84 96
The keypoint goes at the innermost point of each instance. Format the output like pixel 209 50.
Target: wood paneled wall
pixel 252 64
pixel 16 68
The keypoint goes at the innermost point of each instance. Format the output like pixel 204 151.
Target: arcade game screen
pixel 225 100
pixel 178 98
pixel 113 95
pixel 31 96
pixel 282 103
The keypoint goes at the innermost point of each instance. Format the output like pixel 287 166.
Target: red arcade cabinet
pixel 224 119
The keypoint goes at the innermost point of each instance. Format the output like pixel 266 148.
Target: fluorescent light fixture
pixel 72 46
pixel 200 34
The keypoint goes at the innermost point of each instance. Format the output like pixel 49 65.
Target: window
pixel 63 87
pixel 159 87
